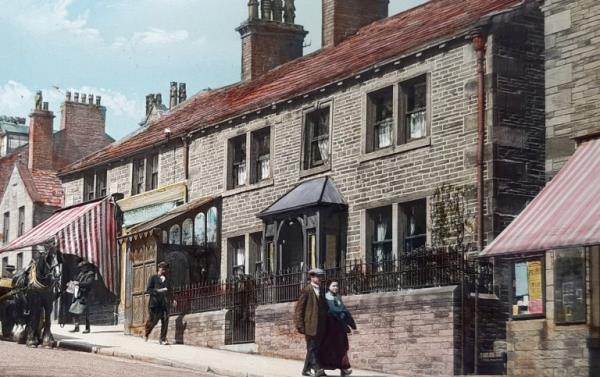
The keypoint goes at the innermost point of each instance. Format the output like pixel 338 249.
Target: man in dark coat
pixel 310 317
pixel 85 279
pixel 161 296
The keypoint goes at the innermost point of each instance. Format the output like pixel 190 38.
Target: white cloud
pixel 153 36
pixel 54 17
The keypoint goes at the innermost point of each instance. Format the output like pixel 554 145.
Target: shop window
pixel 414 222
pixel 19 261
pixel 187 232
pixel 237 165
pixel 200 229
pixel 211 225
pixel 21 229
pixel 380 115
pixel 175 235
pixel 237 254
pixel 413 105
pixel 316 133
pixel 569 286
pixel 152 172
pixel 6 227
pixel 261 154
pixel 138 176
pixel 528 287
pixel 381 235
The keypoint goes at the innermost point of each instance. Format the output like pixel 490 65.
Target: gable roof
pixel 7 163
pixel 393 37
pixel 315 192
pixel 43 186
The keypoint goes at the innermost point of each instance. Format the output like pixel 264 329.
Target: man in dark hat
pixel 310 316
pixel 161 296
pixel 81 298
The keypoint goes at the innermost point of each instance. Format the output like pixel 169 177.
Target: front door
pixel 143 262
pixel 291 246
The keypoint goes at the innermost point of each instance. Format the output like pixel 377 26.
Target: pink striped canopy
pixel 566 213
pixel 88 231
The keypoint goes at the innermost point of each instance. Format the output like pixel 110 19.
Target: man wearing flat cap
pixel 161 297
pixel 81 305
pixel 310 317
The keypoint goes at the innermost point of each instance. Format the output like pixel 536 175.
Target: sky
pixel 123 50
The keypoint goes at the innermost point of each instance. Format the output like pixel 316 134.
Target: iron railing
pixel 421 269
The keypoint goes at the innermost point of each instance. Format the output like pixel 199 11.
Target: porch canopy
pixel 566 213
pixel 87 230
pixel 316 192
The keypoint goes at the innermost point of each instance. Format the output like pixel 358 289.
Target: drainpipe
pixel 479 44
pixel 186 167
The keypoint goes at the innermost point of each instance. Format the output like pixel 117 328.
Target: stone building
pixel 30 190
pixel 550 255
pixel 335 156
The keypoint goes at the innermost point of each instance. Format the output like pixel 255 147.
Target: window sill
pixel 395 149
pixel 316 170
pixel 255 186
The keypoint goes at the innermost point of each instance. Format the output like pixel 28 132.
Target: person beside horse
pixel 81 298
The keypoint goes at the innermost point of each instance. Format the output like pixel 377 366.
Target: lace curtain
pixel 384 134
pixel 417 125
pixel 241 174
pixel 324 149
pixel 264 168
pixel 381 231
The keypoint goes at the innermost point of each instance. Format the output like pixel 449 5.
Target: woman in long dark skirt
pixel 333 352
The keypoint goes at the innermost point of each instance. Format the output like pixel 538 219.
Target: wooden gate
pixel 143 258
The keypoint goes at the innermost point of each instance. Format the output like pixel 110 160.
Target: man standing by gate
pixel 161 294
pixel 310 317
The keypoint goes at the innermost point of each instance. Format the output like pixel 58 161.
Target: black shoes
pixel 86 331
pixel 75 329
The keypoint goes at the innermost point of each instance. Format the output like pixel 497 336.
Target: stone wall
pixel 572 64
pixel 416 332
pixel 200 329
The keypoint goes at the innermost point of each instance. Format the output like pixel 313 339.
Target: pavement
pixel 111 341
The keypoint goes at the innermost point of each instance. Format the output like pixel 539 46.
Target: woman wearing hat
pixel 80 306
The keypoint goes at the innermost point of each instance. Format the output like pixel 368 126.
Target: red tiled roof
pixel 387 39
pixel 43 186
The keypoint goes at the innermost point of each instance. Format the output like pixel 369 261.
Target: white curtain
pixel 324 148
pixel 241 175
pixel 379 249
pixel 264 169
pixel 385 135
pixel 417 125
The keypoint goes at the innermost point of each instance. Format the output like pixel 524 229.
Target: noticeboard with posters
pixel 528 288
pixel 569 286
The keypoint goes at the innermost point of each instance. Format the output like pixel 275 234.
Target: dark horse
pixel 34 291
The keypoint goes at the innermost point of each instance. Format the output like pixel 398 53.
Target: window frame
pixel 89 192
pixel 403 225
pixel 512 287
pixel 233 245
pixel 372 230
pixel 307 167
pixel 256 157
pixel 21 223
pixel 151 171
pixel 6 227
pixel 137 181
pixel 399 143
pixel 101 190
pixel 233 143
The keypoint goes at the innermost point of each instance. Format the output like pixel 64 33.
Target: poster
pixel 521 279
pixel 535 280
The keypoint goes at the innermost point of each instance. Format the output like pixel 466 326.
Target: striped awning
pixel 88 231
pixel 566 213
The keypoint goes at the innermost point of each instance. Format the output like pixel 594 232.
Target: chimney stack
pixel 342 18
pixel 41 143
pixel 270 39
pixel 173 97
pixel 182 92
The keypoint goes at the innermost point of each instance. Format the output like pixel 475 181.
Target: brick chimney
pixel 41 131
pixel 82 127
pixel 269 37
pixel 342 18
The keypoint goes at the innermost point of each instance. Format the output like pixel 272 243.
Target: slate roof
pixel 391 38
pixel 315 192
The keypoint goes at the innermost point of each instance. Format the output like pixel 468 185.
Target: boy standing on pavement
pixel 161 296
pixel 310 317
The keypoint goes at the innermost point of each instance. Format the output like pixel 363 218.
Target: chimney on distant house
pixel 41 143
pixel 342 18
pixel 270 36
pixel 176 95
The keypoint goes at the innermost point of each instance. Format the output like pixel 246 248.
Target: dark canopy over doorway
pixel 305 228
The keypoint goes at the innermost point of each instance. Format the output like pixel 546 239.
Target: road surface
pixel 20 361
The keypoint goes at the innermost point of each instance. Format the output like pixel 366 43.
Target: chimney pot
pixel 277 10
pixel 266 10
pixel 98 100
pixel 252 10
pixel 173 98
pixel 45 106
pixel 68 96
pixel 83 97
pixel 91 99
pixel 76 97
pixel 158 99
pixel 182 92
